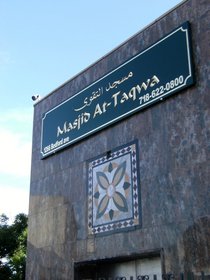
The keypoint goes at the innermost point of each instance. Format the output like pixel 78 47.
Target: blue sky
pixel 42 45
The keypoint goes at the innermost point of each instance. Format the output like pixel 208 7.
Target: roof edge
pixel 107 54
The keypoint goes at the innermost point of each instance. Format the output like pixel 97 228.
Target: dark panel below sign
pixel 159 71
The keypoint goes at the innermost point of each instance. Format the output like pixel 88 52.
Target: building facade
pixel 120 160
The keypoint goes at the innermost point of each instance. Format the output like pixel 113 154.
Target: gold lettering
pixel 124 97
pixel 143 85
pixel 75 123
pixel 154 81
pixel 97 111
pixel 70 127
pixel 64 130
pixel 59 131
pixel 86 117
pixel 88 100
pixel 118 82
pixel 105 105
pixel 132 93
pixel 115 98
pixel 81 119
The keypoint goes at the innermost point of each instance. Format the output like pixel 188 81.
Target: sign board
pixel 159 71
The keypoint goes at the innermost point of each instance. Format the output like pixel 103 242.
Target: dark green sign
pixel 154 74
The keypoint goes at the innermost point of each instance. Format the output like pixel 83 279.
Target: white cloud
pixel 13 201
pixel 15 143
pixel 15 154
pixel 15 161
pixel 17 116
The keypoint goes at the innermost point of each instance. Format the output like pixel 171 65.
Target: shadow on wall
pixel 46 264
pixel 196 241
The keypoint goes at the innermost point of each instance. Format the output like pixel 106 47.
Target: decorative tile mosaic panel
pixel 113 191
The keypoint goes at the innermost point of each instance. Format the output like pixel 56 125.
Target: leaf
pixel 111 214
pixel 120 202
pixel 102 207
pixel 110 167
pixel 102 180
pixel 126 185
pixel 119 173
pixel 96 195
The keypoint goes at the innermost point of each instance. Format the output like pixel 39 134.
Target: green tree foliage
pixel 13 240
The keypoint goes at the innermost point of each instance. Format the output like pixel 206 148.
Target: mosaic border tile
pixel 114 191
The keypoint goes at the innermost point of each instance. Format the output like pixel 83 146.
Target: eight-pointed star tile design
pixel 114 191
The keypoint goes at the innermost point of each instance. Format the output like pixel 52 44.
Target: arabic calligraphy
pixel 88 100
pixel 95 94
pixel 118 82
